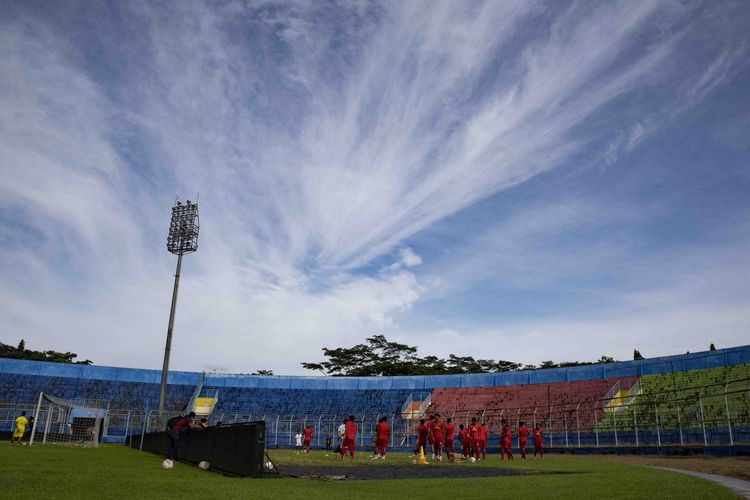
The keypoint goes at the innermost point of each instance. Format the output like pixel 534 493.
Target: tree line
pixel 20 352
pixel 376 357
pixel 379 357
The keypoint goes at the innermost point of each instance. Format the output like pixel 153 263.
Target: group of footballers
pixel 432 434
pixel 437 436
pixel 347 432
pixel 474 438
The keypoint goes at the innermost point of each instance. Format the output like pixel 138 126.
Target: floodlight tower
pixel 182 239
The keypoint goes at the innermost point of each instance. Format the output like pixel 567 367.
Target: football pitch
pixel 114 471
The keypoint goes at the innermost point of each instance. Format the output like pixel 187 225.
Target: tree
pixel 20 352
pixel 379 356
pixel 712 347
pixel 637 355
pixel 263 372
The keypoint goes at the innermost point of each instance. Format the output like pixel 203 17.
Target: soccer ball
pixel 472 459
pixel 167 464
pixel 203 465
pixel 269 465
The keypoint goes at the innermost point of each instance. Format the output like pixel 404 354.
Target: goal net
pixel 62 421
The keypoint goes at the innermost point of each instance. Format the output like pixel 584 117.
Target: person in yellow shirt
pixel 19 429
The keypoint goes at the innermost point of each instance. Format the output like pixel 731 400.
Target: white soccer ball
pixel 203 465
pixel 167 464
pixel 472 459
pixel 269 465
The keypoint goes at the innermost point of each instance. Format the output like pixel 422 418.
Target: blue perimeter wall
pixel 666 364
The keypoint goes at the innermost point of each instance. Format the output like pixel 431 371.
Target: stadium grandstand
pixel 699 399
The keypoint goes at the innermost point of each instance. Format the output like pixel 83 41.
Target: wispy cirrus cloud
pixel 321 139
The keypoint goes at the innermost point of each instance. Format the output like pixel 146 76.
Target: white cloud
pixel 663 303
pixel 316 145
pixel 657 332
pixel 407 258
pixel 636 134
pixel 730 61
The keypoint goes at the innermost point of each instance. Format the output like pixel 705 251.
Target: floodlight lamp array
pixel 183 228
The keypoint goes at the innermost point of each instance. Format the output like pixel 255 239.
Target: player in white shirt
pixel 298 441
pixel 341 431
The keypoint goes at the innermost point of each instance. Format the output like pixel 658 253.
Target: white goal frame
pixel 62 421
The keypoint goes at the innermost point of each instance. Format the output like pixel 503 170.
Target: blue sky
pixel 516 180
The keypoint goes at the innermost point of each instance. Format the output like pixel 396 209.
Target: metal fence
pixel 711 415
pixel 669 418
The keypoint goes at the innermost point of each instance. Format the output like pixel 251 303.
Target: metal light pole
pixel 182 239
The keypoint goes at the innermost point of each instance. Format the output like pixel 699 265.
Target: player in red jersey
pixel 463 434
pixel 350 433
pixel 375 453
pixel 429 434
pixel 484 439
pixel 523 435
pixel 422 433
pixel 505 440
pixel 437 437
pixel 538 441
pixel 308 432
pixel 449 430
pixel 474 437
pixel 382 432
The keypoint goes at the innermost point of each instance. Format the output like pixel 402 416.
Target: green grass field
pixel 113 471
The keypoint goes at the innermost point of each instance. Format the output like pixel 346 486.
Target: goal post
pixel 62 421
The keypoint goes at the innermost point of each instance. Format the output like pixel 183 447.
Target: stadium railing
pixel 707 419
pixel 717 414
pixel 643 423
